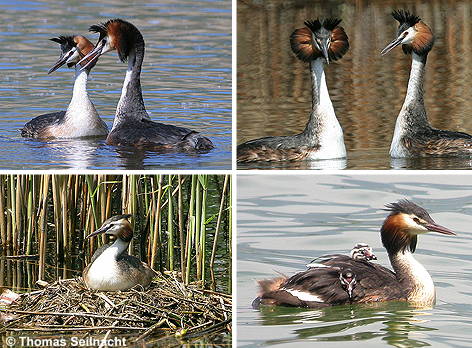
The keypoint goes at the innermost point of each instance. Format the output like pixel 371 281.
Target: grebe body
pixel 81 119
pixel 318 43
pixel 342 279
pixel 413 135
pixel 132 125
pixel 111 267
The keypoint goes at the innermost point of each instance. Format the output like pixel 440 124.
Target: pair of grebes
pixel 132 125
pixel 324 41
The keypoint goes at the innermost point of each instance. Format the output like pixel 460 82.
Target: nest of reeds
pixel 166 307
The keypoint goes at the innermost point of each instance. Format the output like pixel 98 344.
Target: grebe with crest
pixel 369 282
pixel 132 125
pixel 319 42
pixel 413 135
pixel 111 267
pixel 81 119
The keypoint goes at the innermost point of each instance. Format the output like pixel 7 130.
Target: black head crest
pixel 64 40
pixel 407 207
pixel 405 17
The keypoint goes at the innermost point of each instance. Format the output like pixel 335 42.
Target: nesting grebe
pixel 414 136
pixel 132 124
pixel 360 251
pixel 81 118
pixel 321 286
pixel 318 42
pixel 111 268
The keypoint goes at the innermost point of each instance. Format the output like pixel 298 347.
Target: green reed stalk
pixel 170 227
pixel 203 178
pixel 3 227
pixel 181 228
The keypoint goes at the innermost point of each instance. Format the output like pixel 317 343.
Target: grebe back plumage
pixel 132 125
pixel 320 41
pixel 81 119
pixel 320 286
pixel 413 135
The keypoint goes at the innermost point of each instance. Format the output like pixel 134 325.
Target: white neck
pixel 323 126
pixel 414 278
pixel 412 116
pixel 124 89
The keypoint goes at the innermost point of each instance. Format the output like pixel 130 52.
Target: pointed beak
pixel 324 50
pixel 371 256
pixel 62 60
pixel 440 229
pixel 101 230
pixel 93 55
pixel 392 45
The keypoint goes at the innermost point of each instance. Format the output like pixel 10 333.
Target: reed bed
pixel 182 228
pixel 166 307
pixel 181 222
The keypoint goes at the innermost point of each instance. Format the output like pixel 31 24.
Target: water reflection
pixel 367 90
pixel 332 324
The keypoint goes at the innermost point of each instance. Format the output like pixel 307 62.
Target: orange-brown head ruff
pixel 413 34
pixel 117 34
pixel 308 43
pixel 73 49
pixel 406 220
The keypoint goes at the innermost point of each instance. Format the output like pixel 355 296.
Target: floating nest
pixel 167 307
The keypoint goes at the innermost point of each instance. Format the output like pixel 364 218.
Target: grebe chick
pixel 132 125
pixel 111 268
pixel 320 41
pixel 321 286
pixel 81 118
pixel 414 136
pixel 347 278
pixel 360 252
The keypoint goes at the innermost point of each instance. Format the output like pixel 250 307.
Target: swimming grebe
pixel 132 124
pixel 111 268
pixel 414 136
pixel 320 41
pixel 81 118
pixel 361 251
pixel 321 286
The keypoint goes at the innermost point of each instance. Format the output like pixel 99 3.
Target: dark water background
pixel 367 90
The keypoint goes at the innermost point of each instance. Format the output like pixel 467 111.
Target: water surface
pixel 186 79
pixel 285 221
pixel 367 90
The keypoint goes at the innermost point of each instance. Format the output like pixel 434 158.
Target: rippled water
pixel 285 221
pixel 186 79
pixel 367 90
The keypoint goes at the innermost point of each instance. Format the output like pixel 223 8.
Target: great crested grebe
pixel 414 136
pixel 81 118
pixel 111 268
pixel 320 41
pixel 322 286
pixel 360 251
pixel 132 124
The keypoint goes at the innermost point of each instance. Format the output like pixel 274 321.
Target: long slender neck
pixel 116 249
pixel 80 106
pixel 131 104
pixel 413 112
pixel 413 277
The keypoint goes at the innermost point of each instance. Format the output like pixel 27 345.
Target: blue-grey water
pixel 186 79
pixel 284 221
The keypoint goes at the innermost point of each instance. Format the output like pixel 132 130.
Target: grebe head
pixel 406 220
pixel 348 281
pixel 320 39
pixel 413 34
pixel 115 34
pixel 362 251
pixel 73 49
pixel 117 226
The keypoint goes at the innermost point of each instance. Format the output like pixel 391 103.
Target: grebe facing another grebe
pixel 414 136
pixel 322 286
pixel 132 125
pixel 318 42
pixel 111 268
pixel 81 118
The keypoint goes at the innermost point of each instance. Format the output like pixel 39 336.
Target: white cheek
pixel 409 37
pixel 74 58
